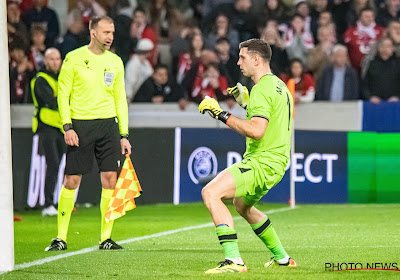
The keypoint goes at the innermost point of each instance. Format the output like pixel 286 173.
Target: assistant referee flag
pixel 126 190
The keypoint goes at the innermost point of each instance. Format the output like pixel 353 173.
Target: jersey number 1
pixel 290 111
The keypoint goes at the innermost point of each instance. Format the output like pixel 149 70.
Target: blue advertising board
pixel 382 117
pixel 320 160
pixel 205 153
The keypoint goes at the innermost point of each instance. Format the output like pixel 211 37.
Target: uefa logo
pixel 202 163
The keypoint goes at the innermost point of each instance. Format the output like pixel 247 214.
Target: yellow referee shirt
pixel 92 87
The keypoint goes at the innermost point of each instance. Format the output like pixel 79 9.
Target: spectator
pixel 26 5
pixel 181 43
pixel 165 19
pixel 240 17
pixel 297 39
pixel 211 84
pixel 227 62
pixel 280 28
pixel 382 79
pixel 210 5
pixel 45 17
pixel 198 9
pixel 15 26
pixel 138 68
pixel 187 59
pixel 390 12
pixel 21 73
pixel 339 10
pixel 319 7
pixel 38 36
pixel 75 37
pixel 339 81
pixel 222 29
pixel 392 32
pixel 303 10
pixel 279 60
pixel 319 57
pixel 359 38
pixel 275 10
pixel 89 9
pixel 197 71
pixel 379 3
pixel 354 11
pixel 167 22
pixel 140 29
pixel 325 20
pixel 122 22
pixel 158 88
pixel 115 7
pixel 304 83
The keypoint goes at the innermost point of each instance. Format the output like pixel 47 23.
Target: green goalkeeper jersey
pixel 92 87
pixel 271 99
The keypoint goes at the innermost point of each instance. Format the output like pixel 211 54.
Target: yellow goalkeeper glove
pixel 240 93
pixel 211 106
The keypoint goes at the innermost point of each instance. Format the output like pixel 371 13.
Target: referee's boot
pixel 109 245
pixel 57 244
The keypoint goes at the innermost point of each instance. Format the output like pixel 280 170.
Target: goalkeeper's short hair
pixel 258 46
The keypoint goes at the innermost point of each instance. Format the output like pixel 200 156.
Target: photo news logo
pixel 346 266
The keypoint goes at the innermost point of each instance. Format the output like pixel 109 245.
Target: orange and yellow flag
pixel 126 190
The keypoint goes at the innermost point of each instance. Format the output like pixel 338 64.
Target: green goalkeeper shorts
pixel 253 180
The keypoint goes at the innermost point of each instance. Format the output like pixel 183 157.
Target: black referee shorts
pixel 98 139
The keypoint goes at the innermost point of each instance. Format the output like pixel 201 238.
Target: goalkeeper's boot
pixel 273 262
pixel 57 244
pixel 227 266
pixel 109 245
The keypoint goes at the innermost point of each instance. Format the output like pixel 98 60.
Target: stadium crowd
pixel 182 51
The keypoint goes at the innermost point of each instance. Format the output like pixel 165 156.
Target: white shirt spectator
pixel 136 72
pixel 138 68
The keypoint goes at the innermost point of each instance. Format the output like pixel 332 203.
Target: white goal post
pixel 6 186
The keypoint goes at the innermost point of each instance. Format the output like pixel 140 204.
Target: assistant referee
pixel 94 113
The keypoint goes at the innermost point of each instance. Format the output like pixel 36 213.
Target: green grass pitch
pixel 312 234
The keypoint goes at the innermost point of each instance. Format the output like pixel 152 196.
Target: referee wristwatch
pixel 67 126
pixel 125 136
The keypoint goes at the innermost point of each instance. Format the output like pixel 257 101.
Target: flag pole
pixel 291 86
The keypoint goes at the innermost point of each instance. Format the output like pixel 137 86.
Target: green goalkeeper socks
pixel 65 207
pixel 267 234
pixel 228 239
pixel 106 228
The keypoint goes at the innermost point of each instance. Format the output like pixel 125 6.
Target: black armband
pixel 224 116
pixel 67 126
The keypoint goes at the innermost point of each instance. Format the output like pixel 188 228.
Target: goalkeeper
pixel 267 129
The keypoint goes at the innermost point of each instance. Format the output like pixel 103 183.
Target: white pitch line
pixel 94 248
pixel 341 246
